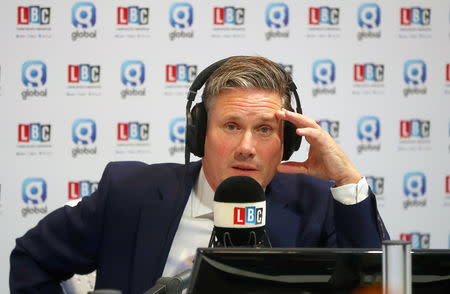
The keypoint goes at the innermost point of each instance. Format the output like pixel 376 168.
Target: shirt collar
pixel 202 198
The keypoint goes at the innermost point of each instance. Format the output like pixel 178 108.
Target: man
pixel 144 219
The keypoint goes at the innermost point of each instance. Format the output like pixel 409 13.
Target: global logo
pixel 369 15
pixel 34 77
pixel 177 133
pixel 84 133
pixel 34 73
pixel 133 73
pixel 83 19
pixel 415 75
pixel 83 15
pixel 181 15
pixel 323 75
pixel 415 72
pixel 368 132
pixel 34 194
pixel 414 188
pixel 277 20
pixel 34 191
pixel 369 18
pixel 324 72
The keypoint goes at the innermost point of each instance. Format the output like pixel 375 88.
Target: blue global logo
pixel 324 72
pixel 34 191
pixel 181 15
pixel 369 15
pixel 414 184
pixel 277 15
pixel 34 73
pixel 177 130
pixel 415 72
pixel 84 131
pixel 368 129
pixel 132 73
pixel 83 15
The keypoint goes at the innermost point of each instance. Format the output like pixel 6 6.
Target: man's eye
pixel 231 127
pixel 265 130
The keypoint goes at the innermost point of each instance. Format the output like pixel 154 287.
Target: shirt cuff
pixel 351 193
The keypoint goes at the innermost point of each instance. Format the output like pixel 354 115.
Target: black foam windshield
pixel 239 189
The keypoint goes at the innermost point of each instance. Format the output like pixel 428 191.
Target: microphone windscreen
pixel 239 189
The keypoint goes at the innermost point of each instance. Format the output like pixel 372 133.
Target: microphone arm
pixel 171 285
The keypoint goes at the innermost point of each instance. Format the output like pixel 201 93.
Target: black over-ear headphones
pixel 196 119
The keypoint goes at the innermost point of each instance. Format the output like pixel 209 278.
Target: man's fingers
pixel 297 119
pixel 292 167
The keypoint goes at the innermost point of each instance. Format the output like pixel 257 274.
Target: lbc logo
pixel 33 15
pixel 81 189
pixel 132 15
pixel 323 15
pixel 415 16
pixel 415 128
pixel 133 131
pixel 331 126
pixel 418 240
pixel 83 15
pixel 34 132
pixel 84 73
pixel 248 215
pixel 229 15
pixel 180 73
pixel 368 72
pixel 376 184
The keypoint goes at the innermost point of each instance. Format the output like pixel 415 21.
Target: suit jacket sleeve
pixel 359 225
pixel 63 243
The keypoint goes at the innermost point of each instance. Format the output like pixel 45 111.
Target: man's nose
pixel 246 148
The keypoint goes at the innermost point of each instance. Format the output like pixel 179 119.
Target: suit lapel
pixel 158 222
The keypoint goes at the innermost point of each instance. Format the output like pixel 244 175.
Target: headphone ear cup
pixel 196 130
pixel 291 140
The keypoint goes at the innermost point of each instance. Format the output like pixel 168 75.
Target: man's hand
pixel 326 160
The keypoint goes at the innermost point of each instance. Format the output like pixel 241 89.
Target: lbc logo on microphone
pixel 248 215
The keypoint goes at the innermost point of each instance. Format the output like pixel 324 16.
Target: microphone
pixel 239 214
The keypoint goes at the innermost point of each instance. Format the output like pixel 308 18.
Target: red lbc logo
pixel 447 72
pixel 249 215
pixel 81 189
pixel 447 184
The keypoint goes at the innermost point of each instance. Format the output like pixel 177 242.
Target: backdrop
pixel 85 83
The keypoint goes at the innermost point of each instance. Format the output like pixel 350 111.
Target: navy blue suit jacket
pixel 126 228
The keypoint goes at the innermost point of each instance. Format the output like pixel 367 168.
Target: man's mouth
pixel 244 168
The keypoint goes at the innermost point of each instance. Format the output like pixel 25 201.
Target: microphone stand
pixel 171 285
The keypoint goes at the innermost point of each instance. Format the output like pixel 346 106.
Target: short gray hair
pixel 247 72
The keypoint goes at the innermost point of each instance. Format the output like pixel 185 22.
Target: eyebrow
pixel 262 119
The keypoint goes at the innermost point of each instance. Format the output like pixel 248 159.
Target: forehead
pixel 247 101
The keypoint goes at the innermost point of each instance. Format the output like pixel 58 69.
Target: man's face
pixel 243 136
